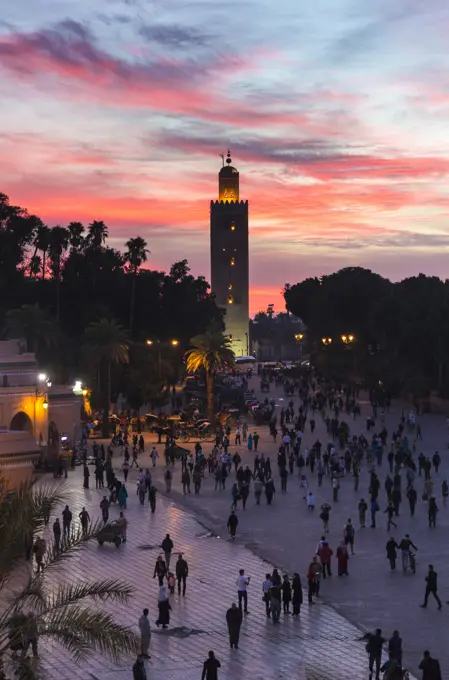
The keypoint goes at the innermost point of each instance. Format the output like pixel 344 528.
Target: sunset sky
pixel 336 113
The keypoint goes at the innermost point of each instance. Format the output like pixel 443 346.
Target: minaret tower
pixel 229 256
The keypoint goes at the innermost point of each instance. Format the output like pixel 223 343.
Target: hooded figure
pixel 234 621
pixel 164 608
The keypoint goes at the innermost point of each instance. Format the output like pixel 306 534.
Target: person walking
pixel 266 585
pixel 391 548
pixel 185 479
pixel 362 508
pixel 84 519
pixel 163 607
pixel 349 535
pixel 57 533
pixel 232 524
pixel 234 622
pixel 145 634
pixel 390 513
pixel 297 594
pixel 160 570
pixel 325 553
pixel 395 647
pixel 167 547
pixel 404 547
pixel 374 645
pixel 139 670
pixel 242 585
pixel 430 667
pixel 46 509
pixel 210 667
pixel 39 548
pixel 66 520
pixel 152 498
pixel 431 587
pixel 432 512
pixel 286 594
pixel 412 497
pixel 342 559
pixel 104 507
pixel 324 516
pixel 182 571
pixel 123 525
pixel 275 602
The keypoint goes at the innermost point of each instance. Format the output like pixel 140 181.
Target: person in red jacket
pixel 325 553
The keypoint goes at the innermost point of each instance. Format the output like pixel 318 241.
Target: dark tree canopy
pixel 70 277
pixel 402 328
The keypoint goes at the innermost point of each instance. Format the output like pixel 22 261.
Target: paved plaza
pixel 320 645
pixel 286 534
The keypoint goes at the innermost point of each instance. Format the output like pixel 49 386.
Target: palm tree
pixel 136 255
pixel 69 614
pixel 35 265
pixel 107 344
pixel 211 352
pixel 42 242
pixel 34 324
pixel 59 242
pixel 97 234
pixel 76 238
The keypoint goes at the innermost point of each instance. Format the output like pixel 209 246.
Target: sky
pixel 336 113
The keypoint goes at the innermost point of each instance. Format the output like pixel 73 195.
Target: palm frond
pixel 98 591
pixel 83 631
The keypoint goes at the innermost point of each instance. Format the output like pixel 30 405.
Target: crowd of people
pixel 315 466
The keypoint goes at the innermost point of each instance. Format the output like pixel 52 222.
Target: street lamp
pixel 347 339
pixel 298 338
pixel 174 343
pixel 326 341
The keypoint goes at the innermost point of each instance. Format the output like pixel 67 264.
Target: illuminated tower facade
pixel 229 256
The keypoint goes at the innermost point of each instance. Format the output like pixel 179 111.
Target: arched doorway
pixel 22 423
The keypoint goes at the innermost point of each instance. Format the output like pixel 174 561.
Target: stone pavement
pixel 321 645
pixel 286 535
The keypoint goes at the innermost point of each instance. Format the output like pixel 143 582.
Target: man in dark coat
pixel 139 670
pixel 232 524
pixel 234 621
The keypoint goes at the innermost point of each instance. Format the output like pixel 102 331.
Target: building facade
pixel 229 252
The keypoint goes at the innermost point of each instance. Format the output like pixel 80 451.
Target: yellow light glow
pixel 299 336
pixel 45 404
pixel 174 342
pixel 84 393
pixel 232 262
pixel 230 300
pixel 230 287
pixel 149 342
pixel 326 341
pixel 232 227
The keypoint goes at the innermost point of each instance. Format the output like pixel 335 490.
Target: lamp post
pixel 41 392
pixel 173 343
pixel 326 341
pixel 299 337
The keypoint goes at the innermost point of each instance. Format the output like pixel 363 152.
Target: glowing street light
pixel 41 377
pixel 174 342
pixel 326 341
pixel 347 339
pixel 45 404
pixel 299 337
